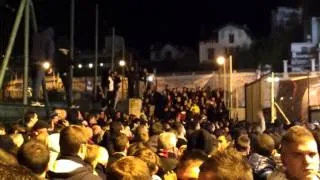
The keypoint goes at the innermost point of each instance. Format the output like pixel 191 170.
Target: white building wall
pixel 315 30
pixel 301 54
pixel 203 51
pixel 241 39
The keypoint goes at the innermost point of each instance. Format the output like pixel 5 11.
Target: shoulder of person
pixel 277 175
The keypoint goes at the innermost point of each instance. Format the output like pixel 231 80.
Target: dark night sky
pixel 143 22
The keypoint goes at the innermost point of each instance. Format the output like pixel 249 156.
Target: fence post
pixel 285 69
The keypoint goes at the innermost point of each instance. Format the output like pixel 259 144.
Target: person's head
pixel 156 129
pixel 242 144
pixel 151 158
pixel 62 114
pixel 30 118
pixel 226 165
pixel 54 118
pixel 181 131
pixel 129 168
pixel 121 143
pixel 116 128
pixel 92 119
pixel 264 145
pixel 142 134
pixel 316 135
pixel 7 144
pixel 16 173
pixel 200 140
pixel 92 155
pixel 40 131
pixel 2 129
pixel 299 153
pixel 17 128
pixel 189 164
pixel 167 140
pixel 97 130
pixel 35 156
pixel 73 141
pixel 7 158
pixel 133 148
pixel 224 140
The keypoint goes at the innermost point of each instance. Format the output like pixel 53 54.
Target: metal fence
pixel 286 96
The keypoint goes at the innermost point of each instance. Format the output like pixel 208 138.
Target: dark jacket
pixel 153 143
pixel 202 140
pixel 168 162
pixel 100 169
pixel 71 168
pixel 107 142
pixel 114 157
pixel 261 166
pixel 62 62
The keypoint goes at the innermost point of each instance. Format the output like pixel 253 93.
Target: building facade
pixel 160 52
pixel 230 37
pixel 303 52
pixel 282 16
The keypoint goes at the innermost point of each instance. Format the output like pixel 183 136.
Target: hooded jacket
pixel 71 168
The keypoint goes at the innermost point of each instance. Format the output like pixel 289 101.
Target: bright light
pixel 150 78
pixel 269 79
pixel 281 98
pixel 90 65
pixel 276 79
pixel 122 63
pixel 79 66
pixel 313 92
pixel 101 64
pixel 46 65
pixel 221 60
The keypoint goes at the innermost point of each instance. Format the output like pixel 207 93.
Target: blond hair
pixel 167 140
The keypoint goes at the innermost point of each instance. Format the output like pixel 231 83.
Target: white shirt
pixel 111 84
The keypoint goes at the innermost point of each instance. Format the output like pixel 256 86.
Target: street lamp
pixel 122 64
pixel 150 78
pixel 222 61
pixel 46 65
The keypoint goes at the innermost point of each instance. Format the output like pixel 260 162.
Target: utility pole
pixel 72 7
pixel 96 50
pixel 26 52
pixel 112 55
pixel 12 40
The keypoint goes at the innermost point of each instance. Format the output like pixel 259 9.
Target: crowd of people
pixel 181 134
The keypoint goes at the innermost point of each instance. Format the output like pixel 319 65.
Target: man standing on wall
pixel 62 65
pixel 42 52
